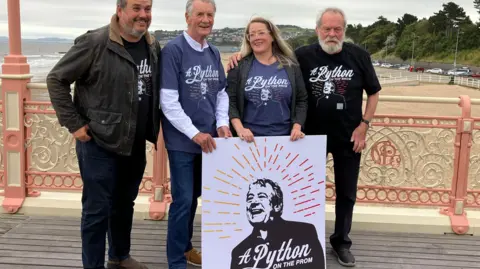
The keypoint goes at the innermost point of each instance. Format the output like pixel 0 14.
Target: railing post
pixel 463 144
pixel 15 76
pixel 158 201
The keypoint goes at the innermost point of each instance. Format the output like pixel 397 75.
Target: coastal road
pixel 383 72
pixel 429 65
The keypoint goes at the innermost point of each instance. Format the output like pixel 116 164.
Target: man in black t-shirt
pixel 335 74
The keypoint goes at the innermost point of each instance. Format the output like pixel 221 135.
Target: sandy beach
pixel 427 90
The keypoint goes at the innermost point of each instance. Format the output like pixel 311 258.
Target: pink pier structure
pixel 410 160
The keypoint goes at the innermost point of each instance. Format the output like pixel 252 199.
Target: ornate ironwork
pixel 51 147
pixel 404 164
pixel 51 155
pixel 473 197
pixel 397 195
pixel 407 160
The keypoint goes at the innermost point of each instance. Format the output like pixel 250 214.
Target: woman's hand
pixel 246 134
pixel 296 132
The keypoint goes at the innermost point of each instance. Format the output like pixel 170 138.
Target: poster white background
pixel 298 167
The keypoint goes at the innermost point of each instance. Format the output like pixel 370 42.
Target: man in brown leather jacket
pixel 115 109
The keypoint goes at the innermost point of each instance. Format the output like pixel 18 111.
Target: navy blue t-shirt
pixel 268 99
pixel 198 77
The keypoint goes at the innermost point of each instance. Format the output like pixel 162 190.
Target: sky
pixel 70 18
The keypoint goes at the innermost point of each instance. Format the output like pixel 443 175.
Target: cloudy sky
pixel 70 18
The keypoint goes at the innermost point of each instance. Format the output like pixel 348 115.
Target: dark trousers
pixel 186 187
pixel 346 169
pixel 110 187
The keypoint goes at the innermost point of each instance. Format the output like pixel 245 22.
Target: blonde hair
pixel 280 49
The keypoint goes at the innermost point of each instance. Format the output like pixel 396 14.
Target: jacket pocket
pixel 104 123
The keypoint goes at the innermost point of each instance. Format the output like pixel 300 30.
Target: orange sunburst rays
pixel 282 164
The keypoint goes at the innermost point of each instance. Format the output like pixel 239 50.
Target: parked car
pixel 420 69
pixel 460 72
pixel 434 71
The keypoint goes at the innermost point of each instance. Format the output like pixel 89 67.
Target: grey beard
pixel 131 31
pixel 136 33
pixel 330 49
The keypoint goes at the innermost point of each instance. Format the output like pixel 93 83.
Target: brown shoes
pixel 129 263
pixel 194 257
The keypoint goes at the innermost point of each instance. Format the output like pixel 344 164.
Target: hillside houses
pixel 232 36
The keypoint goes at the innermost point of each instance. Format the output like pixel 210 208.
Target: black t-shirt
pixel 335 85
pixel 140 55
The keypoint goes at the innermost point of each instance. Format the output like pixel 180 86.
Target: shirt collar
pixel 194 44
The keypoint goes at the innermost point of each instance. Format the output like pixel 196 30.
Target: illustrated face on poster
pixel 263 204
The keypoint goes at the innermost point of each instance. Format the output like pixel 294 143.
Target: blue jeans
pixel 186 187
pixel 110 187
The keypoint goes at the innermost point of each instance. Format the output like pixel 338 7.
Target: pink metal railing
pixel 473 183
pixel 409 160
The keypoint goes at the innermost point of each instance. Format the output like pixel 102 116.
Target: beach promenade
pixel 418 197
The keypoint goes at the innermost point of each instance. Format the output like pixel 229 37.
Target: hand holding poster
pixel 263 204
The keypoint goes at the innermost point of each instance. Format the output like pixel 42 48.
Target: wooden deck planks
pixel 54 242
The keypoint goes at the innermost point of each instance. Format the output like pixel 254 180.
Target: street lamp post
pixel 456 47
pixel 456 25
pixel 413 48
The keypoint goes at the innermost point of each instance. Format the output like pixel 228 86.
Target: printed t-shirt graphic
pixel 139 53
pixel 329 86
pixel 200 80
pixel 268 96
pixel 335 85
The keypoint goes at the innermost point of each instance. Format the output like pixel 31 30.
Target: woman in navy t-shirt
pixel 266 90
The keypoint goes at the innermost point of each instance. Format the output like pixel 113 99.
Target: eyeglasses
pixel 260 34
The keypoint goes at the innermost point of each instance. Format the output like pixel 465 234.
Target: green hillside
pixel 430 39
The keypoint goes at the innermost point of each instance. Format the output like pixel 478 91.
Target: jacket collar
pixel 115 36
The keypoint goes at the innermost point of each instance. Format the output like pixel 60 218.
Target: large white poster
pixel 263 204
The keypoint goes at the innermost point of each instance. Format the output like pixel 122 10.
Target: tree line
pixel 427 39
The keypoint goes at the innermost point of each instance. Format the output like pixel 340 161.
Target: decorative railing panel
pixel 407 161
pixel 473 187
pixel 51 153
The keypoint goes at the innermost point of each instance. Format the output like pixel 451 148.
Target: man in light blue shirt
pixel 195 107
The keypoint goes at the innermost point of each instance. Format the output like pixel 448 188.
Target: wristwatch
pixel 367 122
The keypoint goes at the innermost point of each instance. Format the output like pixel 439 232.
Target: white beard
pixel 330 49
